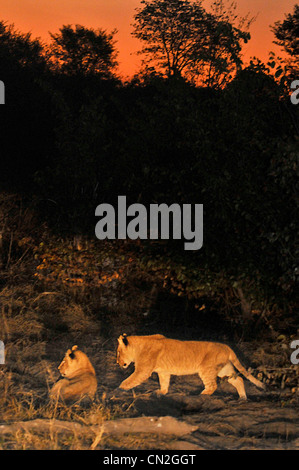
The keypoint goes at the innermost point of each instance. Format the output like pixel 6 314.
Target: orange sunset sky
pixel 41 16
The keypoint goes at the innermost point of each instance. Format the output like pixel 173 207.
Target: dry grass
pixel 38 323
pixel 37 328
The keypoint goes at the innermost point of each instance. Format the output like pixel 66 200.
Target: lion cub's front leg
pixel 164 380
pixel 135 379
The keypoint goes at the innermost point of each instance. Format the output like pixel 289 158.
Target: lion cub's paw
pixel 124 386
pixel 160 393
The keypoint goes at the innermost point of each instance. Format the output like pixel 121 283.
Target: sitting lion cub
pixel 167 357
pixel 79 377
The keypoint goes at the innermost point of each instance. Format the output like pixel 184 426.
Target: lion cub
pixel 167 357
pixel 79 377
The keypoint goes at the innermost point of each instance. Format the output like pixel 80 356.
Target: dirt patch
pixel 267 420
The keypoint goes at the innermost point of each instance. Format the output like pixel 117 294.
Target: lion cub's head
pixel 74 363
pixel 125 352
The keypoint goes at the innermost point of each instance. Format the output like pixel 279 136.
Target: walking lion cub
pixel 79 378
pixel 167 357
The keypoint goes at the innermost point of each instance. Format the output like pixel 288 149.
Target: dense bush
pixel 75 141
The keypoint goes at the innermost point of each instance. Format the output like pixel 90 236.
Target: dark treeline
pixel 74 136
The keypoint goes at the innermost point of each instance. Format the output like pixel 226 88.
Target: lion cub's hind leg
pixel 209 378
pixel 237 382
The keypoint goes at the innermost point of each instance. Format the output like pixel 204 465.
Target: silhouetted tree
pixel 182 39
pixel 19 50
pixel 287 33
pixel 81 50
pixel 25 119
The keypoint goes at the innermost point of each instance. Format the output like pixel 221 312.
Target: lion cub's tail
pixel 235 361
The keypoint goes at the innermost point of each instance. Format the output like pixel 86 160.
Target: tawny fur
pixel 79 377
pixel 167 357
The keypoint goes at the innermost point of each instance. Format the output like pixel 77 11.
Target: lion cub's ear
pixel 123 339
pixel 71 352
